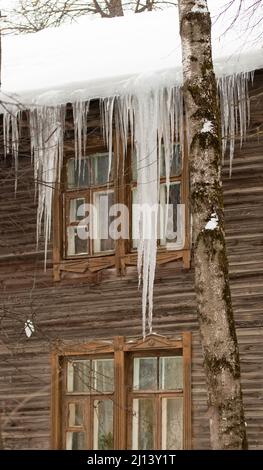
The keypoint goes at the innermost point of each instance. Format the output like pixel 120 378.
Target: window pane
pixel 76 209
pixel 76 245
pixel 143 424
pixel 76 441
pixel 89 171
pixel 175 161
pixel 100 168
pixel 172 423
pixel 78 376
pixel 75 414
pixel 103 425
pixel 171 373
pixel 145 373
pixel 102 240
pixel 78 173
pixel 103 374
pixel 171 235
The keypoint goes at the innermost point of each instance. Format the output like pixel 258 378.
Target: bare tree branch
pixel 32 16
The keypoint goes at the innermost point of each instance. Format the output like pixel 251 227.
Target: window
pixel 133 395
pixel 82 220
pixel 175 236
pixel 89 399
pixel 88 184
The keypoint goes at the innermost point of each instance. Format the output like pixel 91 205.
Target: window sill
pixel 93 265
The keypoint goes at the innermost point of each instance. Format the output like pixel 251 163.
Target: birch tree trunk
pixel 215 314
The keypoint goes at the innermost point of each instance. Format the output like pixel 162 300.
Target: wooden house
pixel 75 369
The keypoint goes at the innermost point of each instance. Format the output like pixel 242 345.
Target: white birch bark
pixel 218 335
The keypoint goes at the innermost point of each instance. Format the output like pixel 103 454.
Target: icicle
pixel 80 112
pixel 47 140
pixel 107 106
pixel 11 119
pixel 152 118
pixel 235 109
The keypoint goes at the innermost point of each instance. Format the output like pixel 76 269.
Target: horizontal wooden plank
pixel 89 307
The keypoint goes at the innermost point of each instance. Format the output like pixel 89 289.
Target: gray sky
pixel 7 3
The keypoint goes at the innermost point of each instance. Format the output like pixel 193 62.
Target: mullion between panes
pixel 169 394
pixel 86 394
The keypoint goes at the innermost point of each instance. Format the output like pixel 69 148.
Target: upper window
pixel 86 214
pixel 136 396
pixel 88 183
pixel 171 235
pixel 90 192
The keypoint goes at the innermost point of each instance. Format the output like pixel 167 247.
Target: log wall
pixel 104 305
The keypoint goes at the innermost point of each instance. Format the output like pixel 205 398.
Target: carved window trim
pixel 123 254
pixel 121 350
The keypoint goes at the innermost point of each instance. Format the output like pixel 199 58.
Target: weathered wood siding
pixel 105 306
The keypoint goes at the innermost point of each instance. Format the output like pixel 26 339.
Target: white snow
pixel 212 224
pixel 207 127
pixel 201 7
pixel 102 57
pixel 29 328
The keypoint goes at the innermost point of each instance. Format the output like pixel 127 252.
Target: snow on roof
pixel 105 57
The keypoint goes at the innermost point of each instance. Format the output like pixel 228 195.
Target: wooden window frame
pixel 181 178
pixel 156 395
pixel 123 255
pixel 87 401
pixel 88 195
pixel 121 351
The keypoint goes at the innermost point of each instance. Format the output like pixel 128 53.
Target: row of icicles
pixel 150 117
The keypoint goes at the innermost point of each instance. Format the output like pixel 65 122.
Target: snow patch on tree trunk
pixel 200 7
pixel 212 223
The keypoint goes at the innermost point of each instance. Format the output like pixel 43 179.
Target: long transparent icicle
pixel 235 110
pixel 153 119
pixel 80 113
pixel 107 108
pixel 11 119
pixel 47 140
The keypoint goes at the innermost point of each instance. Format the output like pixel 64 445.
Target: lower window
pixel 133 395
